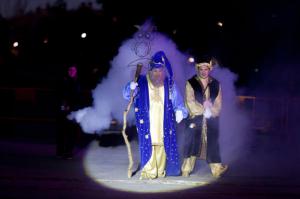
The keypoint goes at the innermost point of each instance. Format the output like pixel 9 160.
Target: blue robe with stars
pixel 173 101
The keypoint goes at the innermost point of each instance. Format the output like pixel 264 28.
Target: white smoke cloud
pixel 234 123
pixel 108 101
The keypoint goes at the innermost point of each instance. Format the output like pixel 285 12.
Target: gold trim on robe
pixel 156 112
pixel 156 165
pixel 203 150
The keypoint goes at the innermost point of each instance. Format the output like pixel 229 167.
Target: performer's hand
pixel 133 85
pixel 179 116
pixel 207 104
pixel 207 113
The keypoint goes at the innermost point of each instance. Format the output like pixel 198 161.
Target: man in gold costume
pixel 203 99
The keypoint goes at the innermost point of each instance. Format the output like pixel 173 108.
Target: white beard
pixel 157 82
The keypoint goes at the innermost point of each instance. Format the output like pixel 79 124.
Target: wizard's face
pixel 157 76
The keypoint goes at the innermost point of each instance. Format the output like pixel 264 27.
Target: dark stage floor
pixel 29 169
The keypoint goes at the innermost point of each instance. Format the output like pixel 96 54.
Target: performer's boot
pixel 184 170
pixel 188 166
pixel 217 169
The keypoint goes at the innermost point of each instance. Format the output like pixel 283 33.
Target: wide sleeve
pixel 193 106
pixel 126 91
pixel 177 101
pixel 217 105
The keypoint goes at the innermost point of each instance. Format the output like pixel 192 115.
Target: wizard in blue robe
pixel 158 105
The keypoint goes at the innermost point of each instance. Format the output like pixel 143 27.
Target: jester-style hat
pixel 204 60
pixel 158 60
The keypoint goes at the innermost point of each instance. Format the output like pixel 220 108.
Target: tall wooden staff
pixel 137 73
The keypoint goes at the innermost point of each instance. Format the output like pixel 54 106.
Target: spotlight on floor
pixel 107 165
